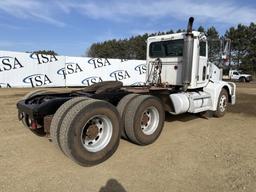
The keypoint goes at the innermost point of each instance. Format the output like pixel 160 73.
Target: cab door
pixel 235 75
pixel 203 69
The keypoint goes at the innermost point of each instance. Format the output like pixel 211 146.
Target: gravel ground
pixel 192 154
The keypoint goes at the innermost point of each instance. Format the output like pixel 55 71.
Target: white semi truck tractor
pixel 87 124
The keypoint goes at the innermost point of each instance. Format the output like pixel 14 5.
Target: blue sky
pixel 70 26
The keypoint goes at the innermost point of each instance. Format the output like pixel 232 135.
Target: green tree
pixel 180 30
pixel 243 46
pixel 201 29
pixel 250 59
pixel 239 40
pixel 46 52
pixel 133 48
pixel 213 44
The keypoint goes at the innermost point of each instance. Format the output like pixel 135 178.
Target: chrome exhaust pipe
pixel 188 55
pixel 190 25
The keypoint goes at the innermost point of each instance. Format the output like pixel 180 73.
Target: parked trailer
pixel 86 124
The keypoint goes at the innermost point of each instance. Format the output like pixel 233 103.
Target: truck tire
pixel 25 120
pixel 58 118
pixel 96 86
pixel 90 132
pixel 242 79
pixel 144 119
pixel 222 104
pixel 121 108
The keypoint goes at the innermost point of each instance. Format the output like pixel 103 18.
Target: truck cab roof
pixel 173 36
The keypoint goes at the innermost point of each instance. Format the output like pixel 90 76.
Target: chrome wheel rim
pixel 149 120
pixel 96 133
pixel 223 103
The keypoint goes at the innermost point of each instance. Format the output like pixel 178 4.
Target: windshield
pixel 172 48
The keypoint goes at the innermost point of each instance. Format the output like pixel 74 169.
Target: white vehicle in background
pixel 238 76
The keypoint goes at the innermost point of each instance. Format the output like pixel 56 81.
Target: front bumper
pixel 233 99
pixel 232 93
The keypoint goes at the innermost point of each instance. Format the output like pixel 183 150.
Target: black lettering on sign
pixel 73 68
pixel 62 72
pixel 141 69
pixel 37 80
pixel 98 63
pixel 41 58
pixel 9 63
pixel 70 69
pixel 120 75
pixel 5 85
pixel 91 80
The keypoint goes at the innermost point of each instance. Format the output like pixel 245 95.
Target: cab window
pixel 172 48
pixel 156 50
pixel 202 45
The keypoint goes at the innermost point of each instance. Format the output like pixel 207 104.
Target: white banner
pixel 30 70
pixel 84 71
pixel 38 70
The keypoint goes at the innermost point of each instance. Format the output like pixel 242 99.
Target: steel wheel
pixel 90 132
pixel 223 103
pixel 144 119
pixel 149 120
pixel 97 133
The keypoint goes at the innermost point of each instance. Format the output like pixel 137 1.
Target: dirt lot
pixel 192 154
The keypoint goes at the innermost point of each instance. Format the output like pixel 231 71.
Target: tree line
pixel 243 46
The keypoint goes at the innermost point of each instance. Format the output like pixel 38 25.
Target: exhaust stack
pixel 188 55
